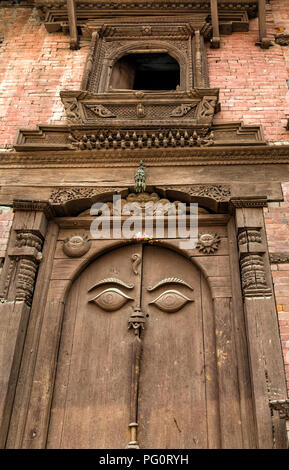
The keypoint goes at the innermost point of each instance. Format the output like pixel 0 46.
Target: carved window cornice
pixel 233 14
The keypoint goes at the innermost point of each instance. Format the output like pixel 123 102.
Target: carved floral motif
pixel 219 192
pixel 76 245
pixel 63 195
pixel 208 242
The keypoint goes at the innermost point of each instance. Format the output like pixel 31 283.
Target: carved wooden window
pixel 146 71
pixel 141 72
pixel 182 39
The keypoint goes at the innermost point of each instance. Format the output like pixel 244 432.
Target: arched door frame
pixel 27 431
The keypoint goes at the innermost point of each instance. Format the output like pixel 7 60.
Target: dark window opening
pixel 153 71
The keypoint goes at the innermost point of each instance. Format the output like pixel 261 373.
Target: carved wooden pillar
pixel 215 41
pixel 200 60
pixel 265 353
pixel 18 280
pixel 72 20
pixel 264 42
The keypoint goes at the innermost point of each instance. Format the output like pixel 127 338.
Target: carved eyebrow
pixel 112 280
pixel 170 280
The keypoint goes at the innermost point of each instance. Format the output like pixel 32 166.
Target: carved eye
pixel 111 299
pixel 171 301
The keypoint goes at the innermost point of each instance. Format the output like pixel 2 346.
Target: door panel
pixel 92 391
pixel 178 391
pixel 172 397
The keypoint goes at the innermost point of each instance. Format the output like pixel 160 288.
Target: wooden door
pixel 177 397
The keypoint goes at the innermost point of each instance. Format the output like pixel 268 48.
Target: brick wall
pixel 34 67
pixel 252 81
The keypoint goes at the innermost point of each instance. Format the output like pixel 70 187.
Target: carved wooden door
pixel 95 396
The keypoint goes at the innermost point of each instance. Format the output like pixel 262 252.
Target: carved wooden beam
pixel 72 19
pixel 215 41
pixel 263 42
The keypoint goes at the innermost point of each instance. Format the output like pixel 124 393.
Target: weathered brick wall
pixel 34 67
pixel 252 81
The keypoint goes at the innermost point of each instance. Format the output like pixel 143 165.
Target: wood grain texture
pixel 24 384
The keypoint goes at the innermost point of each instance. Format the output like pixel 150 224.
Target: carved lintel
pixel 33 206
pixel 249 202
pixel 218 192
pixel 63 195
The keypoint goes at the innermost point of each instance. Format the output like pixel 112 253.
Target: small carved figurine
pixel 76 245
pixel 208 242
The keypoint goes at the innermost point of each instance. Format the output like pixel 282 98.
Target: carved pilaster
pixel 17 287
pixel 254 283
pixel 263 338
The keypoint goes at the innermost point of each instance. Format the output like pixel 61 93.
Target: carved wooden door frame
pixel 28 378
